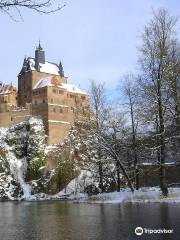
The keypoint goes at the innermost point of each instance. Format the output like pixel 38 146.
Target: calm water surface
pixel 55 220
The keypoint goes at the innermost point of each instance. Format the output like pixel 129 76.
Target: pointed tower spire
pixel 61 70
pixel 39 47
pixel 24 66
pixel 25 61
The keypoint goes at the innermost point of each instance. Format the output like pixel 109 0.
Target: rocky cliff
pixel 25 162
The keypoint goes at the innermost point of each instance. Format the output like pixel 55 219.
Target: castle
pixel 43 91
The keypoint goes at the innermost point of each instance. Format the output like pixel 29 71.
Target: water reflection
pixel 68 221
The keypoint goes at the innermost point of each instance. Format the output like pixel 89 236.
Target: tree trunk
pixel 163 184
pixel 137 177
pixel 134 146
pixel 100 176
pixel 118 176
pixel 126 176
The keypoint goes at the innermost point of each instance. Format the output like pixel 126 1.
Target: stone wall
pixel 57 131
pixel 15 115
pixel 149 174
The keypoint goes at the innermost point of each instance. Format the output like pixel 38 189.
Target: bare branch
pixel 13 8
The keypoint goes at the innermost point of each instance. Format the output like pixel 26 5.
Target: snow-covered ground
pixel 74 192
pixel 143 195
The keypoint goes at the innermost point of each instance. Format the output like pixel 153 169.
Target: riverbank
pixel 143 195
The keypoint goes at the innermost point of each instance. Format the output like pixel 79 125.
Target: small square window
pixel 83 97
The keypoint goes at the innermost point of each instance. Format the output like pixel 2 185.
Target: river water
pixel 56 220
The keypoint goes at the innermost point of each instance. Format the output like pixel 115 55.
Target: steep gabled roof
pixel 47 67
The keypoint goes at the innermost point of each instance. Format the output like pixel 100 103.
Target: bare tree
pixel 157 37
pixel 130 92
pixel 97 96
pixel 113 141
pixel 13 7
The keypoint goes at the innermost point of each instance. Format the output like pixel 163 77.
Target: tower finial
pixel 39 46
pixel 61 70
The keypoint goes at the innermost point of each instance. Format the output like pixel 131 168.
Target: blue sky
pixel 95 39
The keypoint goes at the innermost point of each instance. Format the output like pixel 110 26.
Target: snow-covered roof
pixel 7 89
pixel 46 67
pixel 44 82
pixel 72 88
pixel 51 81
